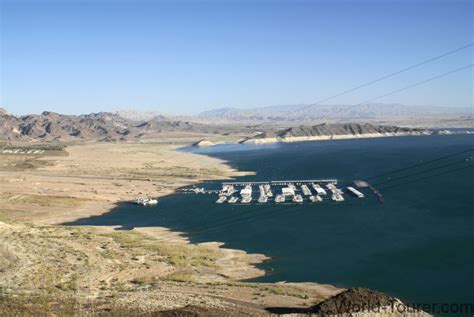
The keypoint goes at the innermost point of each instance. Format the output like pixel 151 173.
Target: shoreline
pixel 96 262
pixel 273 140
pixel 330 137
pixel 204 143
pixel 23 185
pixel 137 267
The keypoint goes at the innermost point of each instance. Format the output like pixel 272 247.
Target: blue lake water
pixel 418 245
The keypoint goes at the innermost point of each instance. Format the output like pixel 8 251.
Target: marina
pixel 357 228
pixel 286 191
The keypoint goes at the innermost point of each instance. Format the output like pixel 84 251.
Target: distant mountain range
pixel 140 116
pixel 279 122
pixel 302 113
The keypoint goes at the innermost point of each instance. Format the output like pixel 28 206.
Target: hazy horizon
pixel 291 107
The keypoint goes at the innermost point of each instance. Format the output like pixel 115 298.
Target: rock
pixel 327 131
pixel 204 143
pixel 363 301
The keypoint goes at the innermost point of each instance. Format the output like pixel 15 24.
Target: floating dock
pixel 284 191
pixel 355 192
pixel 284 182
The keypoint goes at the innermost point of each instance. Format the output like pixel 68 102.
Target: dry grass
pixel 179 255
pixel 7 258
pixel 26 162
pixel 61 269
pixel 21 162
pixel 53 305
pixel 43 200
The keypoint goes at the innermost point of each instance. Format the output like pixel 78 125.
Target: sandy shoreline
pixel 330 137
pixel 93 178
pixel 88 185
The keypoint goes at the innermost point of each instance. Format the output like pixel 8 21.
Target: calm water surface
pixel 418 245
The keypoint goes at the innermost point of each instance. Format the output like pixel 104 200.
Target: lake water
pixel 418 245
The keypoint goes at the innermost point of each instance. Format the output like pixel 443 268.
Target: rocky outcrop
pixel 333 131
pixel 54 126
pixel 364 302
pixel 9 126
pixel 102 126
pixel 204 143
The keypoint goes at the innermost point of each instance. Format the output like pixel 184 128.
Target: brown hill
pixel 363 301
pixel 54 126
pixel 335 130
pixel 8 126
pixel 102 126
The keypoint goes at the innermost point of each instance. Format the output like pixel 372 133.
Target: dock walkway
pixel 284 182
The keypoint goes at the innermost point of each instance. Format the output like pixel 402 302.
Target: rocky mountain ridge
pixel 103 126
pixel 326 131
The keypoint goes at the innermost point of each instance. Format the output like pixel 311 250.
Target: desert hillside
pixel 334 131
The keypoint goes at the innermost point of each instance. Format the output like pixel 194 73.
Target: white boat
pixel 306 191
pixel 227 190
pixel 298 199
pixel 319 190
pixel 233 200
pixel 334 189
pixel 147 201
pixel 221 199
pixel 268 190
pixel 336 196
pixel 262 199
pixel 246 194
pixel 246 199
pixel 288 191
pixel 315 198
pixel 198 190
pixel 280 199
pixel 247 191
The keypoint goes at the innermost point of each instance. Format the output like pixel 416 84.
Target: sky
pixel 184 57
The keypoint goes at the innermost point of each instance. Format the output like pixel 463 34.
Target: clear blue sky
pixel 188 56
